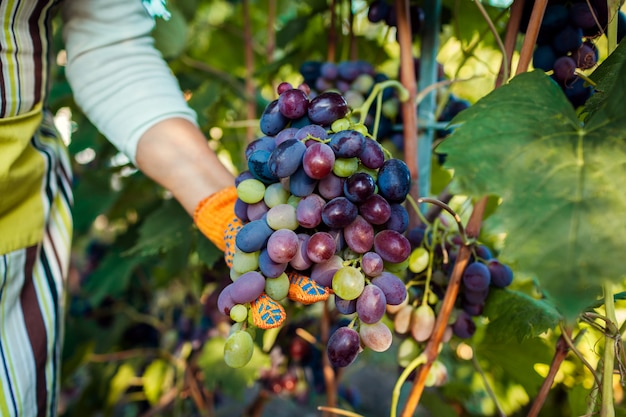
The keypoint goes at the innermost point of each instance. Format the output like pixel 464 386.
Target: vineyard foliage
pixel 143 335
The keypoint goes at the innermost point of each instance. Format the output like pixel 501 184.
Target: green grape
pixel 363 83
pixel 361 128
pixel 239 313
pixel 418 260
pixel 238 349
pixel 277 288
pixel 251 191
pixel 282 216
pixel 245 261
pixel 348 282
pixel 234 274
pixel 390 108
pixel 293 200
pixel 407 352
pixel 340 124
pixel 372 172
pixel 398 268
pixel 344 167
pixel 275 194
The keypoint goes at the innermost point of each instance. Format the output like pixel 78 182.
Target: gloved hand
pixel 215 218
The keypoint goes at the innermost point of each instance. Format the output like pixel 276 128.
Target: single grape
pixel 408 350
pixel 476 276
pixel 309 211
pixel 282 216
pixel 339 212
pixel 275 194
pixel 239 313
pixel 247 288
pixel 372 264
pixel 345 307
pixel 348 282
pixel 376 336
pixel 253 236
pixel 318 160
pixel 419 259
pixel 501 274
pixel 300 184
pixel 245 261
pixel 372 155
pixel 567 40
pixel 586 56
pixel 564 69
pixel 286 158
pixel 285 135
pixel 329 70
pixel 282 87
pixel 378 11
pixel 347 143
pixel 392 286
pixel 282 245
pixel 311 131
pixel 331 186
pixel 257 211
pixel 473 310
pixel 359 235
pixel 392 246
pixel 394 180
pixel 241 210
pixel 370 305
pixel 238 349
pixel 464 327
pixel 343 347
pixel 375 209
pixel 582 16
pixel 422 322
pixel 544 57
pixel 398 218
pixel 251 191
pixel 402 319
pixel 277 288
pixel 266 143
pixel 475 297
pixel 326 108
pixel 225 301
pixel 272 120
pixel 358 187
pixel 344 167
pixel 258 166
pixel 321 247
pixel 293 103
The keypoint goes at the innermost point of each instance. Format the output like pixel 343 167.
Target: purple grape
pixel 272 121
pixel 476 277
pixel 328 70
pixel 282 87
pixel 285 134
pixel 338 213
pixel 244 175
pixel 268 267
pixel 501 274
pixel 327 107
pixel 375 209
pixel 398 218
pixel 331 186
pixel 416 235
pixel 321 247
pixel 394 180
pixel 582 16
pixel 266 143
pixel 567 40
pixel 301 260
pixel 225 301
pixel 256 211
pixel 358 187
pixel 258 166
pixel 318 160
pixel 323 272
pixel 286 158
pixel 241 210
pixel 306 133
pixel 282 245
pixel 300 184
pixel 586 56
pixel 347 143
pixel 378 11
pixel 544 57
pixel 371 304
pixel 348 70
pixel 345 306
pixel 475 297
pixel 253 236
pixel 483 252
pixel 247 288
pixel 372 155
pixel 392 246
pixel 293 103
pixel 564 69
pixel 372 264
pixel 343 347
pixel 359 235
pixel 473 310
pixel 464 327
pixel 392 286
pixel 340 241
pixel 309 211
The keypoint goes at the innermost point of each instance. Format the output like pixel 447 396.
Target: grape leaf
pixel 561 182
pixel 515 316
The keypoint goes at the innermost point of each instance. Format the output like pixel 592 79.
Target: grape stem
pixel 376 90
pixel 607 408
pixel 496 35
pixel 572 346
pixel 339 411
pixel 447 208
pixel 487 385
pixel 421 359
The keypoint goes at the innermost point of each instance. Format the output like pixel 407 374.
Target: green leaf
pixel 561 183
pixel 120 383
pixel 231 381
pixel 209 254
pixel 606 75
pixel 111 277
pixel 156 379
pixel 516 316
pixel 170 36
pixel 164 229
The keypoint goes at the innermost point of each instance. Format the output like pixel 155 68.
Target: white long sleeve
pixel 118 78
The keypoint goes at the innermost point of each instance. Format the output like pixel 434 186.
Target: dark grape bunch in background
pixel 565 44
pixel 385 11
pixel 321 211
pixel 434 248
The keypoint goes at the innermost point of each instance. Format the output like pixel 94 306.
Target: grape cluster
pixel 434 250
pixel 321 212
pixel 565 44
pixel 384 11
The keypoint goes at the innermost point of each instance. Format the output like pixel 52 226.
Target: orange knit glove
pixel 215 218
